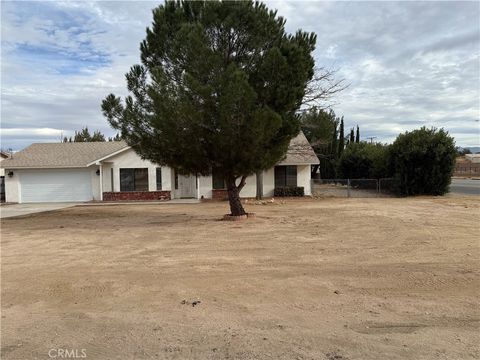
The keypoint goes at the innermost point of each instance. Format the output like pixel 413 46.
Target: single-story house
pixel 109 171
pixel 474 158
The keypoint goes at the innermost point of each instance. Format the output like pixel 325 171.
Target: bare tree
pixel 322 87
pixel 319 92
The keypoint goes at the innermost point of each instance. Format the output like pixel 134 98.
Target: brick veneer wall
pixel 136 195
pixel 219 194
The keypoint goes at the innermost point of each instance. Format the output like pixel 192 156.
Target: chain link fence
pixel 466 169
pixel 355 188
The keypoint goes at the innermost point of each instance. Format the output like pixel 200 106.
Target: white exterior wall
pixel 304 176
pixel 268 182
pixel 129 159
pixel 2 170
pixel 250 188
pixel 12 186
pixel 166 178
pixel 95 182
pixel 205 187
pixel 106 176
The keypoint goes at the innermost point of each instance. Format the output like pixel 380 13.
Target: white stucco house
pixel 110 171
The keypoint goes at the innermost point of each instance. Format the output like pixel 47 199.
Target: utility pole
pixel 371 138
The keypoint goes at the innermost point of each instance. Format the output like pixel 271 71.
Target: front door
pixel 187 186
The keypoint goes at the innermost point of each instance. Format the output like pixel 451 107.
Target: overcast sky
pixel 408 64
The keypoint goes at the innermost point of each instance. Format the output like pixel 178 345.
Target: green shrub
pixel 289 191
pixel 422 162
pixel 364 161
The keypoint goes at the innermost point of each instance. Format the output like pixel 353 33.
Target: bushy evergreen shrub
pixel 289 191
pixel 422 162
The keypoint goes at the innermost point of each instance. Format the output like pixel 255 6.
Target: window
pixel 134 179
pixel 159 178
pixel 285 176
pixel 218 182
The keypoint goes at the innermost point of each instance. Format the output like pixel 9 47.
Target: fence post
pixel 378 187
pixel 348 187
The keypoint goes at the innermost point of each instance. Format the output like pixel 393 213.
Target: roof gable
pixel 299 152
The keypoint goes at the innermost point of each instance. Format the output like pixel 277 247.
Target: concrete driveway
pixel 26 209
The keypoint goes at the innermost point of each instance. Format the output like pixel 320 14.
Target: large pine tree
pixel 219 87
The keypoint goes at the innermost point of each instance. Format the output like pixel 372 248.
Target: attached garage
pixel 55 185
pixel 57 172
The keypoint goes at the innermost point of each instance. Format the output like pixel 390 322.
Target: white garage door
pixel 56 185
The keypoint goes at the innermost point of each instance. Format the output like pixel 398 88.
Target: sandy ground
pixel 309 279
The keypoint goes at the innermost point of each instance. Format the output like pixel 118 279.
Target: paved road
pixel 25 209
pixel 467 187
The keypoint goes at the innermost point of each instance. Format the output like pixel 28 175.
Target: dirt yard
pixel 310 279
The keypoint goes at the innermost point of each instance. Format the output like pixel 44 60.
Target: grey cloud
pixel 453 42
pixel 409 64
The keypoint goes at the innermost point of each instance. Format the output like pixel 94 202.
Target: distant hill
pixel 473 149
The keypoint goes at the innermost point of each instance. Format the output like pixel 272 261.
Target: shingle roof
pixel 80 154
pixel 53 155
pixel 300 152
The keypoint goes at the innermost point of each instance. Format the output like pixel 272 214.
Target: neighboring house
pixel 474 158
pixel 3 155
pixel 109 171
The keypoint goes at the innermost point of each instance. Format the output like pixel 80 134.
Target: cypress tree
pixel 329 161
pixel 357 139
pixel 341 138
pixel 334 149
pixel 352 136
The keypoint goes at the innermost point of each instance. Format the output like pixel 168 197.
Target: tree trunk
pixel 236 207
pixel 260 185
